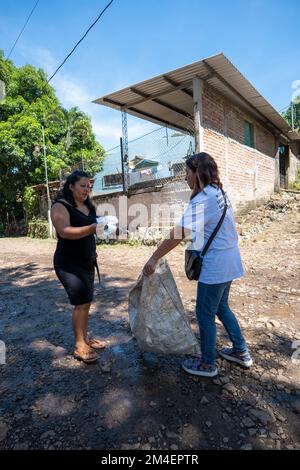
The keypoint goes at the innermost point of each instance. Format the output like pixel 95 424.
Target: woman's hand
pixel 93 228
pixel 150 266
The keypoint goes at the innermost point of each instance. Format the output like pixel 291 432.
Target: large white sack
pixel 156 315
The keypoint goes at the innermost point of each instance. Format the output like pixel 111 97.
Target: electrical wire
pixel 80 40
pixel 15 43
pixel 46 83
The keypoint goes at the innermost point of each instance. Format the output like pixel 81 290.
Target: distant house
pixel 140 169
pixel 139 163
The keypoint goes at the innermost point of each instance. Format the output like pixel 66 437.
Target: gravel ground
pixel 130 400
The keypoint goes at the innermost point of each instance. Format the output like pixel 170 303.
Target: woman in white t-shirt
pixel 221 264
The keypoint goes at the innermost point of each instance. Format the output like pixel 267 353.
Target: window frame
pixel 250 144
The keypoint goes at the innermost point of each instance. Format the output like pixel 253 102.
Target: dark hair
pixel 206 170
pixel 66 193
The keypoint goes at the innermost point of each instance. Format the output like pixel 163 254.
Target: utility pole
pixel 125 149
pixel 47 184
pixel 292 112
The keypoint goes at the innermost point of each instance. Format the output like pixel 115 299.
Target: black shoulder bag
pixel 194 259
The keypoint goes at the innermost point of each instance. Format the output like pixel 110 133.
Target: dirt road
pixel 130 400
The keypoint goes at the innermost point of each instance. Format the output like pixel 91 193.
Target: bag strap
pixel 209 241
pixel 97 269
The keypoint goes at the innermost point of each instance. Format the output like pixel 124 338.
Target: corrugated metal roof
pixel 168 98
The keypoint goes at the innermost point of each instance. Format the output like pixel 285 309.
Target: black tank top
pixel 76 252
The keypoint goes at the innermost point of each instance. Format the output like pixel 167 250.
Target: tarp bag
pixel 156 315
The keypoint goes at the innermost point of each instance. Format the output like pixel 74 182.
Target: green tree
pixel 29 106
pixel 80 143
pixel 11 161
pixel 296 112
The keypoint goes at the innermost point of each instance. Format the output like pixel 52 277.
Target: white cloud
pixel 39 56
pixel 70 92
pixel 107 129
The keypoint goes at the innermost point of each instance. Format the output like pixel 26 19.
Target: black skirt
pixel 78 282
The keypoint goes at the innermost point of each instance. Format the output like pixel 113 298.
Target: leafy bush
pixel 38 228
pixel 297 182
pixel 31 203
pixel 297 186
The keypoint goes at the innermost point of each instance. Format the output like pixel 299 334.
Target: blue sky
pixel 138 39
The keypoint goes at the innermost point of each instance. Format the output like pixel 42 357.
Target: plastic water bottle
pixel 107 227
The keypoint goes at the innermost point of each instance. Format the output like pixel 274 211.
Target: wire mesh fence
pixel 153 159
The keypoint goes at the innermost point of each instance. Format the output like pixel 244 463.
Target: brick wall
pixel 155 207
pixel 292 171
pixel 247 173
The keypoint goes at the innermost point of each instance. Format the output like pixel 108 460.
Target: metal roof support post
pixel 125 156
pixel 123 168
pixel 198 86
pixel 276 166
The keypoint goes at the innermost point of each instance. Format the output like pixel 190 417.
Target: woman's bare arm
pixel 166 246
pixel 61 220
pixel 175 237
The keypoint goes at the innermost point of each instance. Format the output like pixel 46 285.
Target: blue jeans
pixel 212 300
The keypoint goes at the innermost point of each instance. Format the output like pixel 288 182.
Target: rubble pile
pixel 260 218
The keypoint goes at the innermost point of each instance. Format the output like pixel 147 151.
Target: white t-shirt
pixel 222 262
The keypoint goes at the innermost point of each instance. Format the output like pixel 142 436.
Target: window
pixel 248 134
pixel 112 180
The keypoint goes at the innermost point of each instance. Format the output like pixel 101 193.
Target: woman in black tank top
pixel 74 218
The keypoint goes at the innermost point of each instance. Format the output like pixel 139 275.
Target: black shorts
pixel 78 282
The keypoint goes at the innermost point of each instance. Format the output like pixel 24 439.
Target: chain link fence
pixel 153 159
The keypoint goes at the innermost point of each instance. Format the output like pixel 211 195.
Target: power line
pixel 92 25
pixel 292 103
pixel 15 43
pixel 284 108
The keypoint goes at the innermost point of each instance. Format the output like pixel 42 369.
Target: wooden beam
pixel 161 121
pixel 176 85
pixel 155 95
pixel 116 103
pixel 150 116
pixel 160 102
